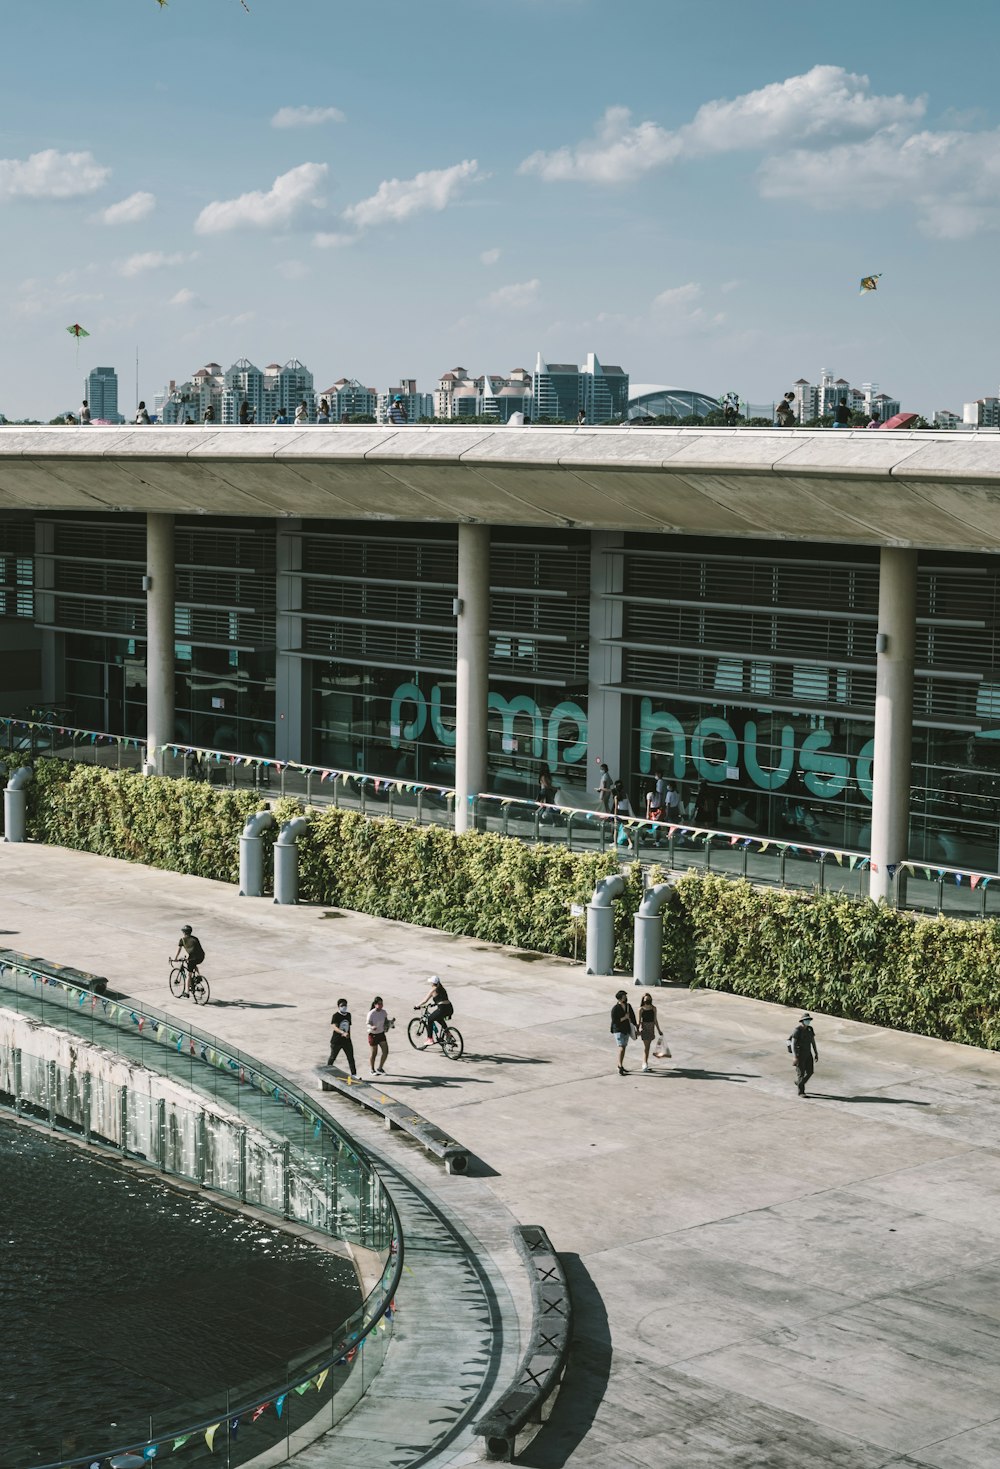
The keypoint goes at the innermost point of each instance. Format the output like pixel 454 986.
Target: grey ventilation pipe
pixel 15 805
pixel 252 854
pixel 601 925
pixel 648 962
pixel 286 861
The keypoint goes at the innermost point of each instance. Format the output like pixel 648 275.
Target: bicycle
pixel 448 1038
pixel 180 983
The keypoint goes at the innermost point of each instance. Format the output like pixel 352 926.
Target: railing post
pixel 743 866
pixel 309 786
pixel 286 1179
pixel 392 808
pixel 50 1092
pixel 940 893
pixel 420 808
pixel 821 884
pixel 123 1118
pixel 161 1133
pixel 708 853
pixel 781 867
pixel 201 1145
pixel 243 1166
pixel 16 1057
pixel 569 831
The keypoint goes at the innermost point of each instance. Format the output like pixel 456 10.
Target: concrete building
pixel 101 393
pixel 349 399
pixel 944 418
pixel 983 413
pixel 561 389
pixel 415 405
pixel 799 646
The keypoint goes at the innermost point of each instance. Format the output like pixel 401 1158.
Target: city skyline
pixel 700 214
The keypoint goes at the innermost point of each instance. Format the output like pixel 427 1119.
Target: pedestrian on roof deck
pixel 624 1027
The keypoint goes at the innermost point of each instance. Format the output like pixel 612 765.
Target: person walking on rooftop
pixel 302 413
pixel 624 1027
pixel 323 411
pixel 378 1041
pixel 141 414
pixel 244 412
pixel 649 1028
pixel 784 414
pixel 340 1036
pixel 842 415
pixel 605 788
pixel 84 413
pixel 802 1044
pixel 397 410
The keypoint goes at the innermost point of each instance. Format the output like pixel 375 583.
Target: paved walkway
pixel 759 1280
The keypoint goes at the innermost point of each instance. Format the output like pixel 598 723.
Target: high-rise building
pixel 415 405
pixel 101 393
pixel 818 400
pixel 349 398
pixel 983 413
pixel 561 389
pixel 244 383
pixel 286 387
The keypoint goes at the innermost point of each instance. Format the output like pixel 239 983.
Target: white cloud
pixel 821 106
pixel 514 297
pixel 490 257
pixel 43 298
pixel 128 211
pixel 51 175
pixel 677 296
pixel 397 199
pixel 271 209
pixel 305 117
pixel 618 154
pixel 951 179
pixel 331 240
pixel 152 260
pixel 184 297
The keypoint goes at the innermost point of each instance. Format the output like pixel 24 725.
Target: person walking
pixel 802 1044
pixel 784 414
pixel 649 1029
pixel 378 1041
pixel 244 412
pixel 624 1027
pixel 141 413
pixel 842 415
pixel 340 1037
pixel 605 788
pixel 302 413
pixel 397 410
pixel 323 411
pixel 84 413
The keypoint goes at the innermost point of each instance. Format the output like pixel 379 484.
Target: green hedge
pixel 935 976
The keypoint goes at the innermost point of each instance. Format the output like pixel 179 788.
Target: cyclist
pixel 194 955
pixel 441 1008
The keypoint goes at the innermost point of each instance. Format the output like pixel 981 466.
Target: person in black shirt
pixel 802 1044
pixel 340 1036
pixel 623 1027
pixel 441 1007
pixel 190 945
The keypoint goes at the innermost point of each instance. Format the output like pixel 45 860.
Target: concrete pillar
pixel 159 584
pixel 472 676
pixel 897 623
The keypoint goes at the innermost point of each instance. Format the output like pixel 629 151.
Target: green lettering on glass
pixel 509 709
pixel 713 728
pixel 651 724
pixel 577 751
pixel 445 736
pixel 866 757
pixel 407 693
pixel 828 774
pixel 769 780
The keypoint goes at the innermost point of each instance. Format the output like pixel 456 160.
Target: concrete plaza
pixel 759 1280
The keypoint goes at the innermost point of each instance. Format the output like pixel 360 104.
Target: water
pixel 121 1297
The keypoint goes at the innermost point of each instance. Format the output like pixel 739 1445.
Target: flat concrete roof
pixel 932 490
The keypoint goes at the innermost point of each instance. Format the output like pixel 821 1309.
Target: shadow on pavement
pixel 880 1101
pixel 251 1005
pixel 503 1060
pixel 587 1374
pixel 695 1073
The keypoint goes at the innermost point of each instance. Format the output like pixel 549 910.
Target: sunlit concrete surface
pixel 760 1280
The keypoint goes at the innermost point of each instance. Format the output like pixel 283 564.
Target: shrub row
pixel 934 976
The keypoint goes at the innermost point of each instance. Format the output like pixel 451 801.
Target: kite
pixel 76 330
pixel 870 283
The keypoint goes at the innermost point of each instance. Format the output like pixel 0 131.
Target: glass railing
pixel 770 861
pixel 284 1156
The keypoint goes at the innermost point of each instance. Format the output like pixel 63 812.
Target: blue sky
pixel 690 189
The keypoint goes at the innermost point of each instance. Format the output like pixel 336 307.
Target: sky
pixel 691 190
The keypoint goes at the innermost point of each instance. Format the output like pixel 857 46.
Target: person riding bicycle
pixel 194 955
pixel 440 1007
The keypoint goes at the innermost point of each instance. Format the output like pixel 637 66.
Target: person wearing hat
pixel 194 954
pixel 624 1027
pixel 802 1044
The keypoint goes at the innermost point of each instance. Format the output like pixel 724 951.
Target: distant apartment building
pixel 286 387
pixel 983 413
pixel 268 391
pixel 819 400
pixel 561 389
pixel 244 383
pixel 348 398
pixel 414 405
pixel 500 397
pixel 457 395
pixel 944 418
pixel 101 393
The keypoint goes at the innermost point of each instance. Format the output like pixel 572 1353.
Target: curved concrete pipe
pixel 601 925
pixel 286 861
pixel 252 854
pixel 648 948
pixel 15 805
